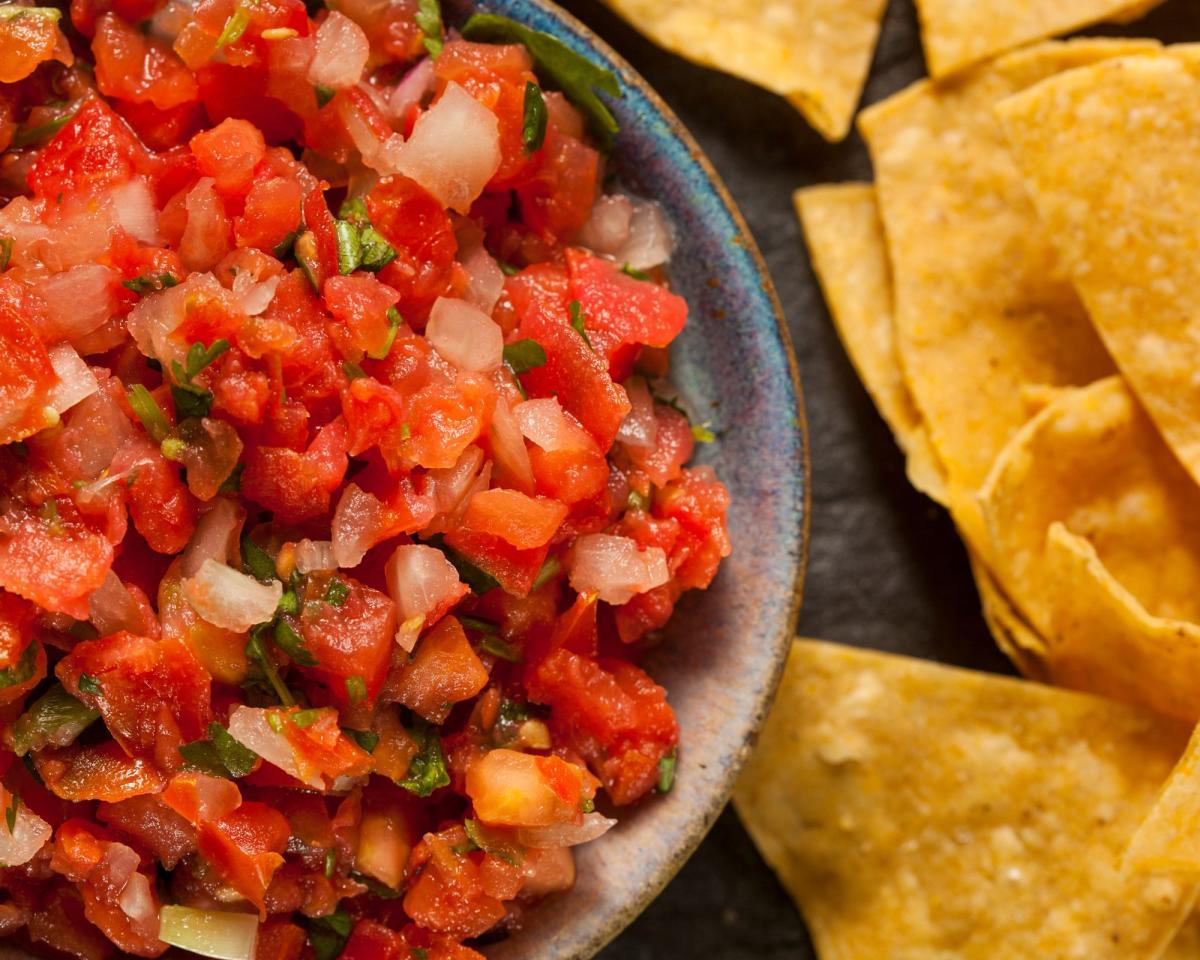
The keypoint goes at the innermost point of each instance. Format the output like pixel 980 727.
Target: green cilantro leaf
pixel 336 592
pixel 257 562
pixel 572 72
pixel 54 717
pixel 499 648
pixel 427 772
pixel 533 128
pixel 328 935
pixel 636 274
pixel 577 321
pixel 220 755
pixel 429 19
pixel 150 282
pixel 323 95
pixel 10 815
pixel 257 652
pixel 21 671
pixel 666 772
pixel 356 689
pixel 291 643
pixel 366 739
pixel 550 569
pixel 524 355
pixel 149 412
pixel 377 253
pixel 90 684
pixel 349 246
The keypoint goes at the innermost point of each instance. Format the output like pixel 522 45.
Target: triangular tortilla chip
pixel 982 314
pixel 845 242
pixel 920 812
pixel 1102 640
pixel 1109 156
pixel 814 52
pixel 1186 945
pixel 1093 461
pixel 1013 634
pixel 1167 841
pixel 960 33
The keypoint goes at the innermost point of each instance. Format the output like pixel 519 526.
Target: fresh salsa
pixel 341 491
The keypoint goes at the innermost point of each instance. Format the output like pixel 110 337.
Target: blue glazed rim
pixel 726 647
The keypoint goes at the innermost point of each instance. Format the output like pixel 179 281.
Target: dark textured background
pixel 886 569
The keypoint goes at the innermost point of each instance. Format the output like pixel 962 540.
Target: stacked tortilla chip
pixel 1020 292
pixel 817 53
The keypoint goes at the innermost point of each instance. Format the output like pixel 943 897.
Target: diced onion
pixel 315 556
pixel 454 149
pixel 75 380
pixel 486 278
pixel 79 301
pixel 156 316
pixel 226 598
pixel 28 835
pixel 215 535
pixel 249 727
pixel 566 834
pixel 210 933
pixel 341 53
pixel 412 89
pixel 206 234
pixel 422 581
pixel 111 608
pixel 607 228
pixel 544 422
pixel 464 335
pixel 640 426
pixel 614 568
pixel 651 239
pixel 135 210
pixel 508 449
pixel 254 297
pixel 357 521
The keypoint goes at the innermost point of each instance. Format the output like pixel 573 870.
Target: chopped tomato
pixel 443 671
pixel 419 229
pixel 448 895
pixel 95 150
pixel 25 376
pixel 27 40
pixel 246 847
pixel 140 69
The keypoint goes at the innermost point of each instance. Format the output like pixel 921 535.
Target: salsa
pixel 341 492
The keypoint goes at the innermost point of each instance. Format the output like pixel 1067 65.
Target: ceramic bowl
pixel 725 647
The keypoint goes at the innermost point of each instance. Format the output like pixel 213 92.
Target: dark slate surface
pixel 886 569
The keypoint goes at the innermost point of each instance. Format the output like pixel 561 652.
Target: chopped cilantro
pixel 427 772
pixel 577 321
pixel 481 626
pixel 577 76
pixel 330 862
pixel 508 269
pixel 354 209
pixel 533 129
pixel 366 739
pixel 150 283
pixel 356 689
pixel 394 323
pixel 349 246
pixel 550 569
pixel 257 562
pixel 220 755
pixel 352 370
pixel 284 246
pixel 43 131
pixel 323 94
pixel 55 716
pixel 498 648
pixel 337 591
pixel 257 652
pixel 233 482
pixel 328 935
pixel 235 26
pixel 377 253
pixel 10 815
pixel 636 274
pixel 288 603
pixel 306 718
pixel 90 684
pixel 524 355
pixel 149 412
pixel 429 19
pixel 291 643
pixel 666 772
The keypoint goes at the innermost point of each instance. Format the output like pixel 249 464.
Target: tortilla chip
pixel 1013 635
pixel 1102 639
pixel 919 812
pixel 960 33
pixel 846 244
pixel 1166 842
pixel 982 314
pixel 814 52
pixel 1093 461
pixel 1186 945
pixel 1109 157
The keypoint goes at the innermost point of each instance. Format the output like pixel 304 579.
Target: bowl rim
pixel 717 801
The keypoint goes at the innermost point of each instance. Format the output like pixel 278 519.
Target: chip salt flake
pixel 816 53
pixel 849 254
pixel 983 314
pixel 959 33
pixel 1108 157
pixel 920 812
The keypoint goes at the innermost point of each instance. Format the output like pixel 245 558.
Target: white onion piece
pixel 607 227
pixel 75 379
pixel 566 834
pixel 137 902
pixel 314 556
pixel 544 422
pixel 156 316
pixel 341 53
pixel 226 598
pixel 249 727
pixel 28 835
pixel 80 300
pixel 215 536
pixel 640 426
pixel 357 520
pixel 206 234
pixel 464 335
pixel 210 933
pixel 454 149
pixel 486 278
pixel 614 568
pixel 651 238
pixel 412 88
pixel 382 156
pixel 93 431
pixel 136 212
pixel 508 448
pixel 451 484
pixel 111 608
pixel 253 296
pixel 421 581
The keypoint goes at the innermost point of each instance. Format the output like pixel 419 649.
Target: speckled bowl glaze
pixel 725 647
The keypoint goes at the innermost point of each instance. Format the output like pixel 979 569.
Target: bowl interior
pixel 724 649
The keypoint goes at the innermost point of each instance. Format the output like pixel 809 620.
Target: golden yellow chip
pixel 919 812
pixel 1186 945
pixel 1168 842
pixel 845 242
pixel 1103 640
pixel 960 33
pixel 814 52
pixel 1093 461
pixel 1013 634
pixel 1108 155
pixel 983 316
